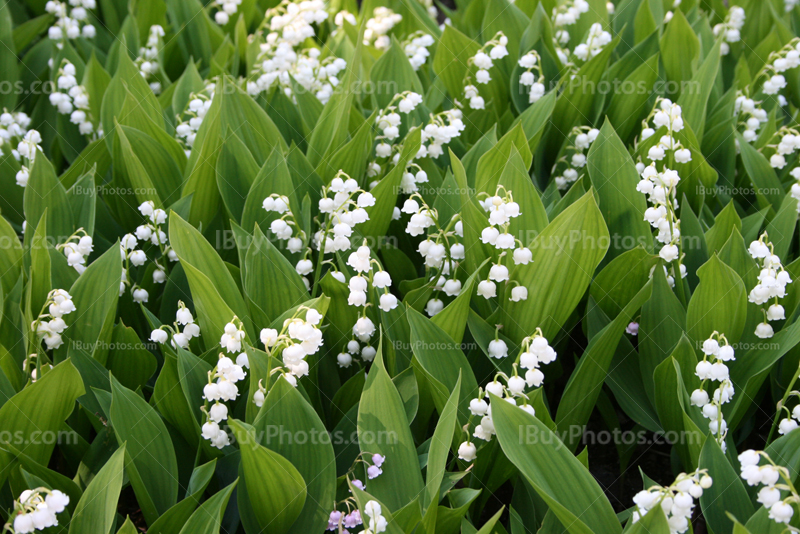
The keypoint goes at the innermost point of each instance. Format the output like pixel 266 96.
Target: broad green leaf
pixel 441 442
pixel 586 381
pixel 680 49
pixel 728 493
pixel 95 512
pixel 150 462
pixel 768 188
pixel 45 193
pixel 95 295
pixel 193 249
pixel 568 488
pixel 207 519
pixel 38 410
pixel 274 486
pixel 270 281
pixel 285 409
pixel 718 304
pixel 383 429
pixel 442 359
pixel 614 177
pixel 565 256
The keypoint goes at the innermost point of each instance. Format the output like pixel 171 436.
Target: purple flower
pixel 378 460
pixel 357 483
pixel 353 519
pixel 333 520
pixel 373 471
pixel 632 329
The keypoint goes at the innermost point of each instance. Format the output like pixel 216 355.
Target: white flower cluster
pixel 183 317
pixel 416 48
pixel 670 116
pixel 565 15
pixel 152 232
pixel 501 210
pixel 775 479
pixel 147 61
pixel 535 351
pixel 378 27
pixel 571 166
pixel 278 62
pixel 76 251
pixel 483 60
pixel 779 62
pixel 376 523
pixel 677 500
pixel 596 40
pixel 73 100
pixel 13 126
pixel 36 509
pixel 715 348
pixel 227 8
pixel 222 381
pixel 730 29
pixel 440 130
pixel 789 143
pixel 298 338
pixel 441 250
pixel 49 326
pixel 26 152
pixel 71 23
pixel 191 119
pixel 530 62
pixel 294 20
pixel 772 281
pixel 389 121
pixel 792 421
pixel 751 116
pixel 661 186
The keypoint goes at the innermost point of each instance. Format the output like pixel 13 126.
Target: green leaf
pixel 768 188
pixel 393 70
pixel 193 249
pixel 330 132
pixel 568 488
pixel 44 193
pixel 680 49
pixel 150 456
pixel 565 256
pixel 286 410
pixel 9 66
pixel 586 381
pixel 694 103
pixel 728 491
pixel 574 104
pixel 450 61
pixel 441 442
pixel 95 512
pixel 629 105
pixel 274 486
pixel 95 295
pixel 208 518
pixel 718 304
pixel 614 177
pixel 383 429
pixel 270 281
pixel 442 360
pixel 41 407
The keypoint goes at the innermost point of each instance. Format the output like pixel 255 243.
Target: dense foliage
pixel 287 266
